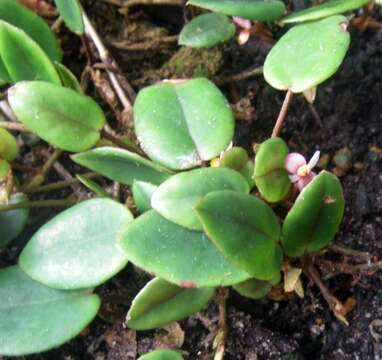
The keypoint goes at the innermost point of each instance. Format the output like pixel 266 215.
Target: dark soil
pixel 350 108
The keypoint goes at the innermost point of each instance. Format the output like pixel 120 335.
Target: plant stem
pixel 39 203
pixel 10 125
pixel 339 249
pixel 283 112
pixel 109 136
pixel 241 76
pixel 220 339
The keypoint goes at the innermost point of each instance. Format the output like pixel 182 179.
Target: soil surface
pixel 345 124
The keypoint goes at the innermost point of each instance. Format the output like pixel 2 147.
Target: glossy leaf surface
pixel 253 288
pixel 14 13
pixel 60 116
pixel 162 354
pixel 245 229
pixel 71 12
pixel 328 8
pixel 260 10
pixel 207 30
pixel 26 61
pixel 122 166
pixel 160 303
pixel 315 217
pixel 181 124
pixel 13 222
pixel 270 175
pixel 307 54
pixel 142 193
pixel 183 257
pixel 78 248
pixel 9 150
pixel 35 318
pixel 235 158
pixel 176 198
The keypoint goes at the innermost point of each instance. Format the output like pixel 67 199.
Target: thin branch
pixel 39 203
pixel 15 126
pixel 339 249
pixel 283 112
pixel 111 137
pixel 246 74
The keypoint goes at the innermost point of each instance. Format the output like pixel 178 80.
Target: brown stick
pixel 10 125
pixel 39 203
pixel 283 112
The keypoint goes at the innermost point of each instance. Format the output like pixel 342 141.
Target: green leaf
pixel 248 172
pixel 160 303
pixel 181 124
pixel 142 193
pixel 260 10
pixel 315 216
pixel 13 222
pixel 207 30
pixel 253 288
pixel 245 230
pixel 68 79
pixel 35 318
pixel 9 150
pixel 163 354
pixel 175 254
pixel 270 175
pixel 78 248
pixel 71 13
pixel 307 54
pixel 4 76
pixel 33 25
pixel 235 158
pixel 60 116
pixel 176 198
pixel 325 9
pixel 4 168
pixel 93 186
pixel 122 166
pixel 23 58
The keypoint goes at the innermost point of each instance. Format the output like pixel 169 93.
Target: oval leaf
pixel 142 193
pixel 122 166
pixel 315 216
pixel 163 354
pixel 270 175
pixel 176 198
pixel 160 303
pixel 235 158
pixel 9 150
pixel 60 116
pixel 245 229
pixel 78 248
pixel 35 318
pixel 181 124
pixel 207 30
pixel 33 25
pixel 307 54
pixel 260 10
pixel 71 12
pixel 180 256
pixel 26 61
pixel 253 288
pixel 13 222
pixel 325 9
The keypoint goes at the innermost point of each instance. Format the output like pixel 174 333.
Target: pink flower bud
pixel 293 162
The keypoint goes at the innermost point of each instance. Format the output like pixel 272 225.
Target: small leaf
pixel 183 257
pixel 13 222
pixel 122 166
pixel 248 172
pixel 60 116
pixel 9 150
pixel 245 229
pixel 253 288
pixel 307 54
pixel 160 303
pixel 35 318
pixel 70 11
pixel 176 198
pixel 260 10
pixel 323 10
pixel 68 79
pixel 207 30
pixel 93 186
pixel 142 193
pixel 33 25
pixel 78 248
pixel 182 124
pixel 26 61
pixel 163 354
pixel 315 217
pixel 270 175
pixel 235 158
